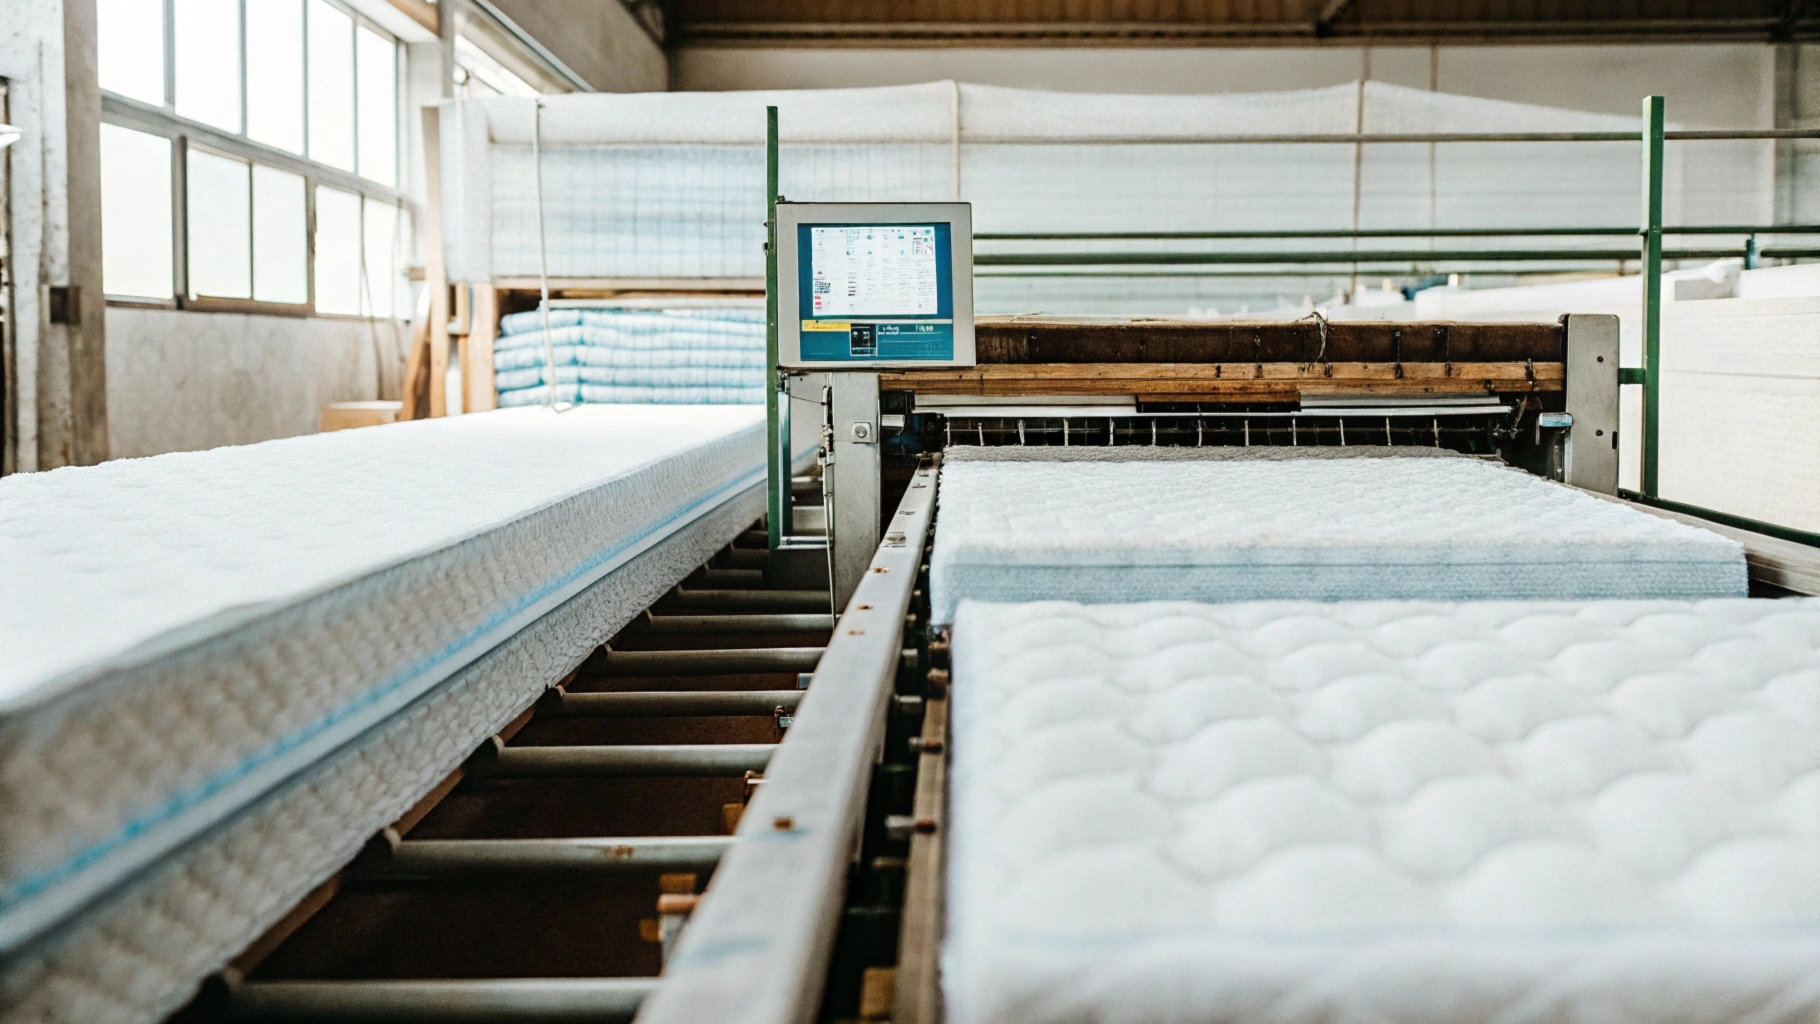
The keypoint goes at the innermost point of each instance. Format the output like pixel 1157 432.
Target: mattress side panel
pixel 140 954
pixel 90 776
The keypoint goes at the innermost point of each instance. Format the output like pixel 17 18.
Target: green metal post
pixel 1653 121
pixel 777 470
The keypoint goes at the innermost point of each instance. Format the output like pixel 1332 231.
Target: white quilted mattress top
pixel 1405 510
pixel 115 564
pixel 1385 811
pixel 1144 527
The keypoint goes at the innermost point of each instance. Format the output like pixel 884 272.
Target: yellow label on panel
pixel 826 325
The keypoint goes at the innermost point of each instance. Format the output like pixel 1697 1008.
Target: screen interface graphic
pixel 874 270
pixel 876 292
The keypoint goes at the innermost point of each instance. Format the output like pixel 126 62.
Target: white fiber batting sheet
pixel 183 633
pixel 1367 812
pixel 1242 524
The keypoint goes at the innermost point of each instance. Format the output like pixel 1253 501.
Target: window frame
pixel 163 120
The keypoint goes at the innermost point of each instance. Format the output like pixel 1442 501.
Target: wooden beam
pixel 413 395
pixel 436 274
pixel 1148 340
pixel 918 993
pixel 477 370
pixel 1230 381
pixel 420 11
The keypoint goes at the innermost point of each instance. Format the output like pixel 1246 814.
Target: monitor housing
pixel 867 285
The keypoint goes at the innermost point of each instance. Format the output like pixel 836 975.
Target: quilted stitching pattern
pixel 1347 528
pixel 142 955
pixel 76 771
pixel 1386 811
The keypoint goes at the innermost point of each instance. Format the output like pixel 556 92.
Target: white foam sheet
pixel 1136 524
pixel 195 629
pixel 1385 811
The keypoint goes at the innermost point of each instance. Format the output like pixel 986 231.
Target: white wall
pixel 181 381
pixel 1723 85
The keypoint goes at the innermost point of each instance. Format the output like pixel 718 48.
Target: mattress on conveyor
pixel 1366 812
pixel 1244 524
pixel 184 633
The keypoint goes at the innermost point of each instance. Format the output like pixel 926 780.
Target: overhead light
pixel 8 135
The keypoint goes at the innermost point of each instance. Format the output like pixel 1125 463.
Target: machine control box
pixel 865 285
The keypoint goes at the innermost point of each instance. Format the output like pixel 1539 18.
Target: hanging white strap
pixel 543 260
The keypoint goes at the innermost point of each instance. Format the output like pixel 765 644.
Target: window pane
pixel 385 247
pixel 207 61
pixel 378 107
pixel 218 195
pixel 130 48
pixel 135 213
pixel 337 251
pixel 280 237
pixel 331 37
pixel 274 78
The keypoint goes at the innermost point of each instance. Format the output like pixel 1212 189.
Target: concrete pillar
pixel 56 361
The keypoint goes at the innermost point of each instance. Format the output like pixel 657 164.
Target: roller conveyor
pixel 633 688
pixel 839 811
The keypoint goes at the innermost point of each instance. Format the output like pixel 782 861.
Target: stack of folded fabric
pixel 633 356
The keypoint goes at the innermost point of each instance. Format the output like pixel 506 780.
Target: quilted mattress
pixel 1242 524
pixel 1385 811
pixel 194 630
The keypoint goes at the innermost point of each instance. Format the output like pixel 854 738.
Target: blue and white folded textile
pixel 664 357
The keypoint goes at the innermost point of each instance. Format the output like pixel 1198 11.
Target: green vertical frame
pixel 1653 122
pixel 776 471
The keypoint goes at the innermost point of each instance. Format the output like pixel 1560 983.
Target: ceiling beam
pixel 964 33
pixel 1329 13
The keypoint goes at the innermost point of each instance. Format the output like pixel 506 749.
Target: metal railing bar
pixel 464 858
pixel 756 950
pixel 596 1000
pixel 715 662
pixel 1397 138
pixel 1069 259
pixel 669 703
pixel 1580 232
pixel 681 760
pixel 1788 533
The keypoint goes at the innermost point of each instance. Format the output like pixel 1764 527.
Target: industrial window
pixel 136 213
pixel 229 125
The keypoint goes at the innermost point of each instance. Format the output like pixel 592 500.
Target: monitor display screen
pixel 876 292
pixel 873 270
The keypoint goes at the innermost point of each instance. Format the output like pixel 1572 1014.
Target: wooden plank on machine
pixel 1153 340
pixel 1229 381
